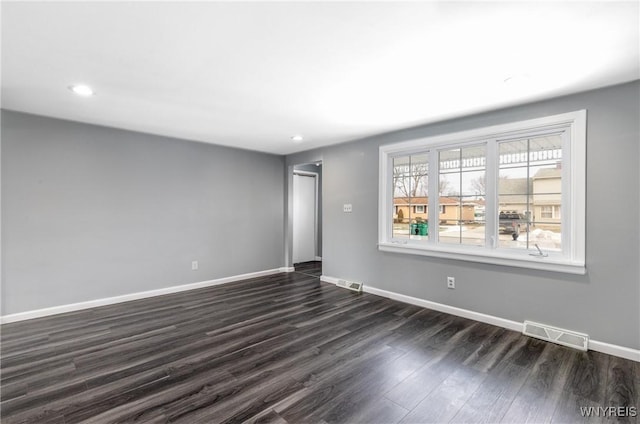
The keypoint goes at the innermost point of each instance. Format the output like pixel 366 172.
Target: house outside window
pixel 511 194
pixel 550 212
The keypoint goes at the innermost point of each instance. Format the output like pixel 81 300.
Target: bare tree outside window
pixel 410 180
pixel 444 186
pixel 479 184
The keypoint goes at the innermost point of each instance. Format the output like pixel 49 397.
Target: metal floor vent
pixel 556 335
pixel 351 285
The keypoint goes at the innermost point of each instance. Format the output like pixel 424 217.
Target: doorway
pixel 307 218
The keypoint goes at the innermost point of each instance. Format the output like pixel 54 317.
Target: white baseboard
pixel 615 350
pixel 476 316
pixel 54 310
pixel 318 258
pixel 287 269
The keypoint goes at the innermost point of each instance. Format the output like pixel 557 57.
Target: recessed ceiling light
pixel 82 90
pixel 297 138
pixel 518 79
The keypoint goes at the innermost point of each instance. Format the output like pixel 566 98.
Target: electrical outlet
pixel 347 208
pixel 451 282
pixel 194 265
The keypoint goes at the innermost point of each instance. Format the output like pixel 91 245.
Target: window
pixel 511 194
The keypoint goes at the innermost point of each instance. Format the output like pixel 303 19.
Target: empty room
pixel 320 212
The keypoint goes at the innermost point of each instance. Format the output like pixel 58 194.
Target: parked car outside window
pixel 512 222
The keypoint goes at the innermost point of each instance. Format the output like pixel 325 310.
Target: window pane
pixel 418 226
pixel 401 189
pixel 513 226
pixel 529 191
pixel 513 181
pixel 449 183
pixel 513 154
pixel 419 174
pixel 547 236
pixel 472 229
pixel 410 191
pixel 473 183
pixel 462 189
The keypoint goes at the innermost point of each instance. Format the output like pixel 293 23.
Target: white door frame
pixel 315 177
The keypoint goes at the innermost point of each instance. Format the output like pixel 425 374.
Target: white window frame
pixel 421 207
pixel 572 257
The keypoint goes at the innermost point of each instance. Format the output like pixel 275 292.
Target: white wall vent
pixel 556 335
pixel 351 285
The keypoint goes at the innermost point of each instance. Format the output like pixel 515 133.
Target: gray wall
pixel 91 212
pixel 605 303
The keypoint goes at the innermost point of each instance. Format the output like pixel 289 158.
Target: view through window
pixel 514 188
pixel 530 193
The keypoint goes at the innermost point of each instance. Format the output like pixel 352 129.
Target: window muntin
pixel 550 152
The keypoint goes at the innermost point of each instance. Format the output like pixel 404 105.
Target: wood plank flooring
pixel 288 348
pixel 313 268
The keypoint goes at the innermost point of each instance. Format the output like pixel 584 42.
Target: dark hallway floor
pixel 310 268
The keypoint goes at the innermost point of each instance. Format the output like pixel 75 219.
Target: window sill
pixel 549 263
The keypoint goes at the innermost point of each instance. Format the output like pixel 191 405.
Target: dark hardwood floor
pixel 313 268
pixel 290 349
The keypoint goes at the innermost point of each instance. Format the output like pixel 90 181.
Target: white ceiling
pixel 252 75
